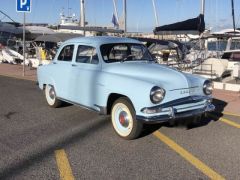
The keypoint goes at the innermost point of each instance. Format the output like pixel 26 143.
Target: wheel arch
pixel 49 81
pixel 112 98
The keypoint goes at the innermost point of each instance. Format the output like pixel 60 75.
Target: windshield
pixel 235 44
pixel 125 52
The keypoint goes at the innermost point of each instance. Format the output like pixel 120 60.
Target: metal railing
pixel 205 71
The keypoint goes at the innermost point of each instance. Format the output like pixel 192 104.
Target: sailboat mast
pixel 233 17
pixel 202 7
pixel 115 10
pixel 202 42
pixel 125 15
pixel 82 14
pixel 155 12
pixel 82 18
pixel 68 9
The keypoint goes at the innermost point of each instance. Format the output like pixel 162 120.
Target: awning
pixel 10 28
pixel 57 37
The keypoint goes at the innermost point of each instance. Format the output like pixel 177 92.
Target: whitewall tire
pixel 124 119
pixel 51 97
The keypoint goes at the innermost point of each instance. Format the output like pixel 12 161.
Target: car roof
pixel 151 40
pixel 99 40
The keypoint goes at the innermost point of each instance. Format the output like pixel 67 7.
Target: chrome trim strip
pixel 185 100
pixel 103 109
pixel 192 106
pixel 184 88
pixel 77 104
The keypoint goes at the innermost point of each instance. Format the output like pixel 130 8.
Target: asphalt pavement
pixel 31 135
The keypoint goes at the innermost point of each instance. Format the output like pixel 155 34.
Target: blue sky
pixel 140 12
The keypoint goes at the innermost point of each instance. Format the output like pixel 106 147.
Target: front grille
pixel 183 101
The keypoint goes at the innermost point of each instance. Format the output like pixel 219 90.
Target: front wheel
pixel 51 98
pixel 124 119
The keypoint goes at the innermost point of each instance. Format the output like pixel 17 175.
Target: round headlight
pixel 157 94
pixel 207 87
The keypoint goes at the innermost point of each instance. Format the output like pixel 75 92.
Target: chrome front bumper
pixel 171 114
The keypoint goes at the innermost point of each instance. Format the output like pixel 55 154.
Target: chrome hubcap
pixel 51 93
pixel 124 119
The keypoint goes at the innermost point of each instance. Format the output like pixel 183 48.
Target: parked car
pixel 118 76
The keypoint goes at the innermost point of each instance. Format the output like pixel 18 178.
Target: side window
pixel 66 54
pixel 87 54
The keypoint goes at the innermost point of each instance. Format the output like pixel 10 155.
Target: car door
pixel 85 74
pixel 62 71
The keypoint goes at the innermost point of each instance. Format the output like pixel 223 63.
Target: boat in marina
pixel 233 57
pixel 1 57
pixel 212 68
pixel 11 56
pixel 219 68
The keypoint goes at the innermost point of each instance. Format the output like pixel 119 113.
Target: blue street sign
pixel 23 5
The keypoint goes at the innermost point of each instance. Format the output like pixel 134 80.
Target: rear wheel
pixel 124 119
pixel 51 98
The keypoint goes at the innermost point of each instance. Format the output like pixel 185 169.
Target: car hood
pixel 161 75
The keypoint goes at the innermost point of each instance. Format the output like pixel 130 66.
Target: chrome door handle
pixel 74 65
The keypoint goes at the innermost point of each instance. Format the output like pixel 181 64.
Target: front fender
pixel 136 90
pixel 44 77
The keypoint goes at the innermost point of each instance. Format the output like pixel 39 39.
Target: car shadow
pixel 65 104
pixel 220 105
pixel 188 123
pixel 44 150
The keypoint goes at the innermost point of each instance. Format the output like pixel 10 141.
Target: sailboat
pixel 225 65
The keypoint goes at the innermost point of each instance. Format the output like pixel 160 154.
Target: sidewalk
pixel 228 101
pixel 16 71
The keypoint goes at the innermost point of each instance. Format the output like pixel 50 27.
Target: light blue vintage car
pixel 118 76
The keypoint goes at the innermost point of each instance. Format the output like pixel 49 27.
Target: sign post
pixel 23 6
pixel 24 42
